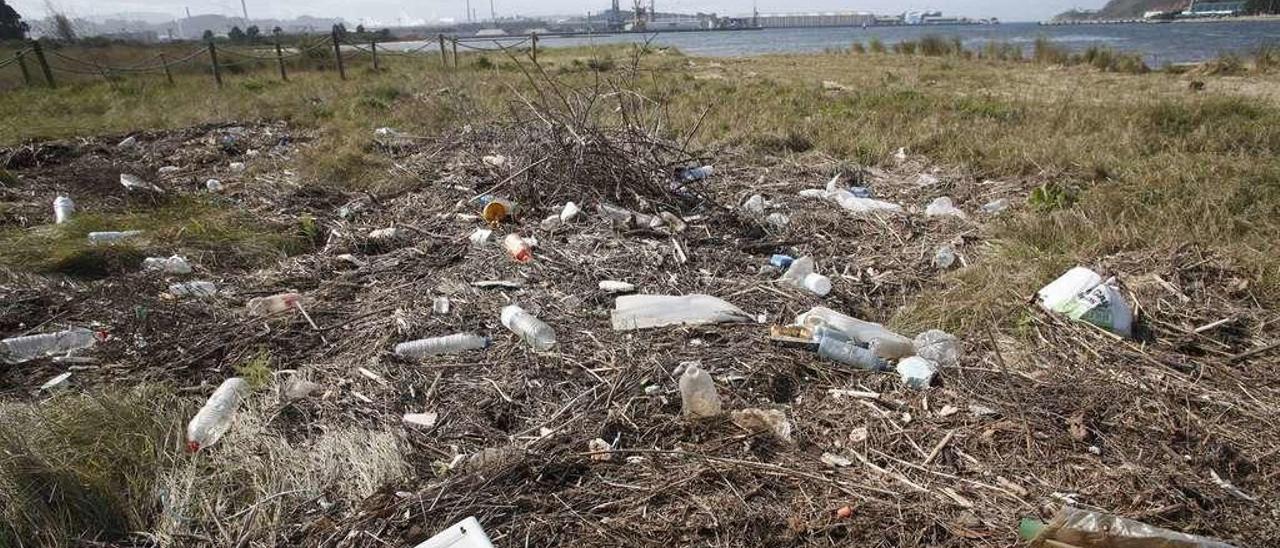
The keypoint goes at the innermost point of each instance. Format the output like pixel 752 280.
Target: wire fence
pixel 335 47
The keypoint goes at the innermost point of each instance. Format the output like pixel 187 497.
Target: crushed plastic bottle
pixel 943 207
pixel 856 205
pixel 214 419
pixel 698 396
pixel 193 289
pixel 938 346
pixel 833 346
pixel 63 208
pixel 613 213
pixel 275 304
pixel 112 238
pixel 518 248
pixel 529 328
pixel 30 347
pixel 887 344
pixel 448 344
pixel 917 372
pixel 213 185
pixel 134 182
pixel 995 206
pixel 170 265
pixel 755 205
pixel 944 257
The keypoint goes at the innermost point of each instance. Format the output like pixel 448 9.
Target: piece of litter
pixel 424 420
pixel 612 286
pixel 948 410
pixel 840 393
pixel 370 374
pixel 835 461
pixel 859 434
pixel 600 450
pixel 56 382
pixel 981 410
pixel 771 421
pixel 1230 487
pixel 498 284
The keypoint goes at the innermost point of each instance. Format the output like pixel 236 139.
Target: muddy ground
pixel 1035 415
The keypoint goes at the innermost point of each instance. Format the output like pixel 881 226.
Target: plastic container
pixel 1083 295
pixel 214 419
pixel 887 344
pixel 529 328
pixel 440 305
pixel 170 265
pixel 817 284
pixel 193 289
pixel 839 349
pixel 645 311
pixel 938 346
pixel 63 208
pixel 30 347
pixel 448 344
pixel 111 238
pixel 497 210
pixel 698 396
pixel 517 248
pixel 917 372
pixel 275 304
pixel 464 534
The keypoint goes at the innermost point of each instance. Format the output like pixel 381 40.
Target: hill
pixel 1126 9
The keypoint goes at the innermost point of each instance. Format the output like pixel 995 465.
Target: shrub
pixel 1046 52
pixel 858 48
pixel 875 45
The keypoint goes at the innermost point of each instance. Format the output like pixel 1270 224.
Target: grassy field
pixel 1141 164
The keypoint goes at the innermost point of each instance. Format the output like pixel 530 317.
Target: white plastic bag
pixel 644 311
pixel 1081 294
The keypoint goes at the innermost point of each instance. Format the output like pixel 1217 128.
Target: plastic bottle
pixel 615 213
pixel 801 275
pixel 21 349
pixel 448 344
pixel 170 265
pixel 63 207
pixel 942 207
pixel 518 248
pixel 887 344
pixel 193 289
pixel 842 350
pixel 109 238
pixel 263 306
pixel 698 397
pixel 214 419
pixel 529 328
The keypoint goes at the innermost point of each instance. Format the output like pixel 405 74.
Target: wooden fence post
pixel 44 63
pixel 534 51
pixel 168 75
pixel 337 54
pixel 444 56
pixel 455 52
pixel 280 59
pixel 213 59
pixel 373 48
pixel 22 64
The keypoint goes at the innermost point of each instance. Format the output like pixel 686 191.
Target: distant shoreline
pixel 1237 19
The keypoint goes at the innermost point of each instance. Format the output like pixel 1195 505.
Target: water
pixel 1158 43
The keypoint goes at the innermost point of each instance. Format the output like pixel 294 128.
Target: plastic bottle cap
pixel 193 446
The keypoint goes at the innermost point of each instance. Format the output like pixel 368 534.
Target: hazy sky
pixel 389 11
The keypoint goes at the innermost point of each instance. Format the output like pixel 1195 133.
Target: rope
pixel 501 47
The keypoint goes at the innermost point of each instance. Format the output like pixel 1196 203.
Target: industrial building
pixel 834 19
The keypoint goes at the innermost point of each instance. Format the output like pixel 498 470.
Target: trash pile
pixel 591 336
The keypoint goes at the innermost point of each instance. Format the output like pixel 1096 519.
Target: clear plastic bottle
pixel 518 248
pixel 887 344
pixel 63 208
pixel 108 238
pixel 530 329
pixel 816 283
pixel 697 174
pixel 214 419
pixel 698 396
pixel 21 349
pixel 170 265
pixel 833 346
pixel 448 344
pixel 615 213
pixel 193 289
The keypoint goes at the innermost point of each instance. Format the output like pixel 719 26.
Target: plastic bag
pixel 644 311
pixel 1081 294
pixel 1086 529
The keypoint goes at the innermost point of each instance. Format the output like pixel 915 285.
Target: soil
pixel 1032 417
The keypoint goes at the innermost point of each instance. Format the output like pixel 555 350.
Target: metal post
pixel 534 51
pixel 213 59
pixel 280 59
pixel 168 75
pixel 337 54
pixel 44 63
pixel 373 48
pixel 455 52
pixel 22 63
pixel 444 56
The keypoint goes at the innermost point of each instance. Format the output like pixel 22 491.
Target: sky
pixel 391 11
